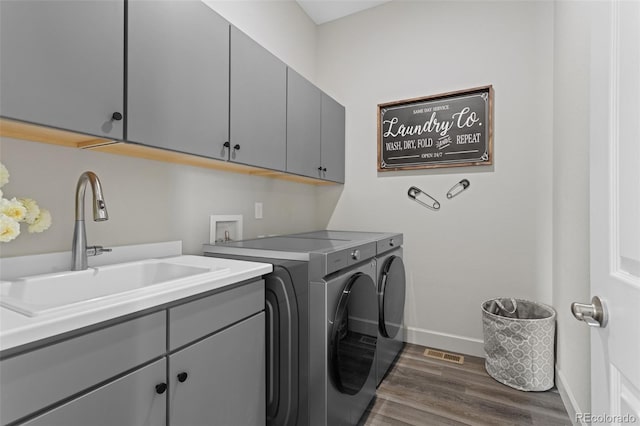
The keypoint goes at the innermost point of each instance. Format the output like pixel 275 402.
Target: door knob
pixel 595 314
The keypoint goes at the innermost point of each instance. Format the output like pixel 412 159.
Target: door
pixel 258 104
pixel 353 339
pixel 303 126
pixel 615 210
pixel 391 293
pixel 332 140
pixel 178 77
pixel 62 64
pixel 220 380
pixel 139 398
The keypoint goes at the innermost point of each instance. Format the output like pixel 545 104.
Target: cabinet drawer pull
pixel 116 116
pixel 182 377
pixel 161 388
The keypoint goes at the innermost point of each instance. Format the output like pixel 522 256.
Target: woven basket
pixel 519 343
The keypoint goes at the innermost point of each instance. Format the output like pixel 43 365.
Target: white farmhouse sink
pixel 40 294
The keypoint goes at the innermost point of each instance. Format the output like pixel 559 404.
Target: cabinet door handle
pixel 116 116
pixel 236 147
pixel 320 168
pixel 182 377
pixel 161 388
pixel 324 169
pixel 226 144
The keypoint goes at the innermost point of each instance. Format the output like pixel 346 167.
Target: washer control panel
pixel 342 258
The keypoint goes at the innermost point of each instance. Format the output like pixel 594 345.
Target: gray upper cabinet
pixel 303 126
pixel 332 139
pixel 178 77
pixel 258 104
pixel 315 131
pixel 62 64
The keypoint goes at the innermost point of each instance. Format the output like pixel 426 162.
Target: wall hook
pixel 458 188
pixel 421 197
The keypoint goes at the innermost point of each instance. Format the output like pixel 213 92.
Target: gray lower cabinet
pixel 41 378
pixel 332 139
pixel 211 347
pixel 129 400
pixel 62 64
pixel 178 77
pixel 220 380
pixel 257 105
pixel 303 126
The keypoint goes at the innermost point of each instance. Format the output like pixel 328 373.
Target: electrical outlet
pixel 258 208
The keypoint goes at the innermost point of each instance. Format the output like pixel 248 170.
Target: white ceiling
pixel 321 11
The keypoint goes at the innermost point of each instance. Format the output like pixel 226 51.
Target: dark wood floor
pixel 425 391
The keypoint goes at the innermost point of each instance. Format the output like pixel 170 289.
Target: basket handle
pixel 514 304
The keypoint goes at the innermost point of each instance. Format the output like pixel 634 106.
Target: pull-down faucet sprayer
pixel 79 249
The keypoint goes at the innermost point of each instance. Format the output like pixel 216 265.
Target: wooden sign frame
pixel 453 129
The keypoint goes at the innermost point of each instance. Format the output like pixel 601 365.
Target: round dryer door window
pixel 354 335
pixel 391 297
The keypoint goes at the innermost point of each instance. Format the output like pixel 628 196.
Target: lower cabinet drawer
pixel 201 317
pixel 42 377
pixel 130 400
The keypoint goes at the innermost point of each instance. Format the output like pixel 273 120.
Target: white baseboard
pixel 444 341
pixel 568 399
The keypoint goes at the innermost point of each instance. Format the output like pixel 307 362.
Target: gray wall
pixel 148 201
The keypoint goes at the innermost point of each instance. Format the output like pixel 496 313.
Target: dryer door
pixel 354 335
pixel 391 297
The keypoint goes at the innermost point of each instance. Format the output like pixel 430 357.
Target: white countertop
pixel 17 329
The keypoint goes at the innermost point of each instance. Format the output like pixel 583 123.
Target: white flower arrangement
pixel 16 210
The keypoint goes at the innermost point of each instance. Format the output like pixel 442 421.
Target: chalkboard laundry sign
pixel 447 130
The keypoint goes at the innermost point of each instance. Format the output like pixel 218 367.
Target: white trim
pixel 445 341
pixel 569 401
pixel 614 140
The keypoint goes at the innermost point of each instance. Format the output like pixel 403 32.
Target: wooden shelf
pixel 31 132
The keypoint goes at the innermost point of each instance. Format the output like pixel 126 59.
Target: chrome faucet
pixel 79 249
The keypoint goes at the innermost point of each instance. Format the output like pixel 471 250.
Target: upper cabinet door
pixel 303 126
pixel 258 104
pixel 61 64
pixel 178 77
pixel 332 136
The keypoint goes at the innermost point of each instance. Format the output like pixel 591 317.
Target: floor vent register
pixel 444 356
